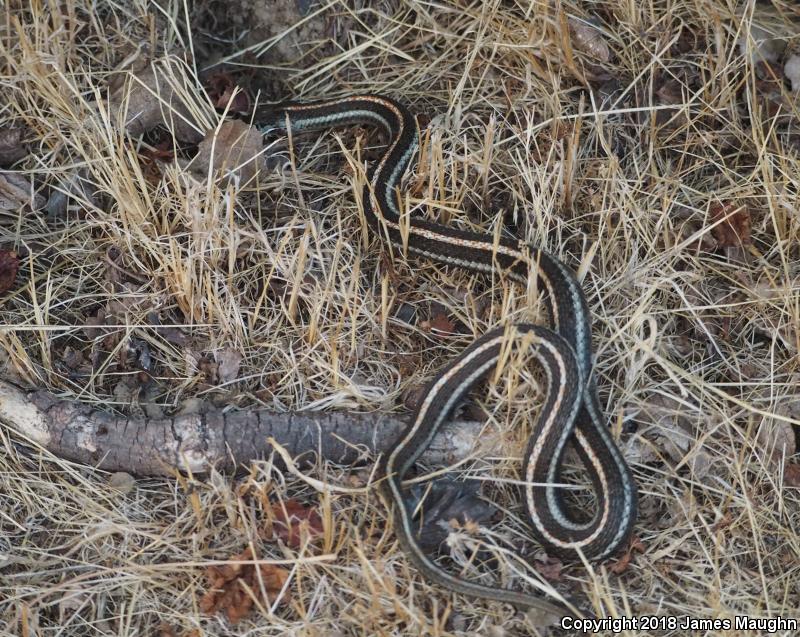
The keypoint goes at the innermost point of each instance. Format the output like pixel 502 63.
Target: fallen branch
pixel 197 442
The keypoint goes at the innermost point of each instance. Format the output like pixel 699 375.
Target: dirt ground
pixel 652 146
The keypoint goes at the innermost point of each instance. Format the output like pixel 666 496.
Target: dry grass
pixel 696 345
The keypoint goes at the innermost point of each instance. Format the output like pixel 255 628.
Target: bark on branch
pixel 198 442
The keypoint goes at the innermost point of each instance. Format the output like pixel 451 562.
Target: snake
pixel 570 415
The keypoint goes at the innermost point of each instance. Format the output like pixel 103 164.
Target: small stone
pixel 791 69
pixel 122 482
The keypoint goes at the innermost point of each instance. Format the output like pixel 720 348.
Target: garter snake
pixel 571 411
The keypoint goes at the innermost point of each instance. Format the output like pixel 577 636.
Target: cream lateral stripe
pixel 466 371
pixel 571 410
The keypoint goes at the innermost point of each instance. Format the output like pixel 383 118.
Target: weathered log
pixel 222 439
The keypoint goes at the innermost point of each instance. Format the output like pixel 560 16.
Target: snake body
pixel 571 412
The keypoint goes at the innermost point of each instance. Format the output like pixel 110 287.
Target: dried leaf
pixel 448 505
pixel 11 147
pixel 72 601
pixel 229 586
pixel 771 290
pixel 235 149
pixel 170 333
pixel 470 527
pixel 621 565
pixel 228 363
pixel 74 191
pixel 126 390
pixel 293 522
pixel 640 450
pixel 74 359
pixel 150 99
pixel 549 567
pixel 791 475
pixel 221 89
pixel 218 84
pixel 675 431
pixel 791 407
pixel 9 266
pixel 777 438
pixel 733 228
pixel 441 323
pixel 16 191
pixel 703 240
pixel 784 333
pixel 151 160
pixel 588 39
pixel 670 92
pixel 413 396
pixel 91 326
pixel 723 523
pixel 699 464
pixel 761 45
pixel 543 618
pixel 165 630
pixel 110 337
